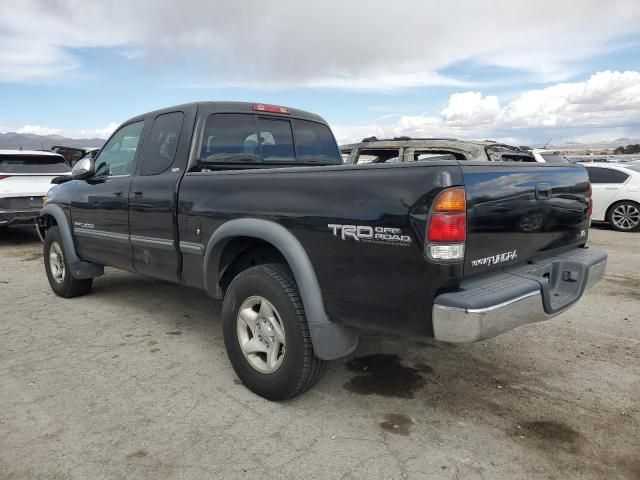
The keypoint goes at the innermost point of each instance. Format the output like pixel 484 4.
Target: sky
pixel 517 71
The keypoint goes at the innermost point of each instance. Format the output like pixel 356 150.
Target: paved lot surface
pixel 132 382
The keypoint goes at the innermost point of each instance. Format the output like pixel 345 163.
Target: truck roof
pixel 234 107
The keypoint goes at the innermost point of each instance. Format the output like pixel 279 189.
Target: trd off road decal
pixel 495 259
pixel 367 234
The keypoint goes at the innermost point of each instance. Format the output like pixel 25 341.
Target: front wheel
pixel 266 333
pixel 57 268
pixel 624 216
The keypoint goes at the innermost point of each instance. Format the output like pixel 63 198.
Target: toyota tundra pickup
pixel 252 204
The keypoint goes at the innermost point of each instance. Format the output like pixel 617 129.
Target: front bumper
pixel 490 305
pixel 18 217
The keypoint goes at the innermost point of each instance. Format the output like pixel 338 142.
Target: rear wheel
pixel 57 268
pixel 624 216
pixel 266 333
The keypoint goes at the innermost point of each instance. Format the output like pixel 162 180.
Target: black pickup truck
pixel 252 204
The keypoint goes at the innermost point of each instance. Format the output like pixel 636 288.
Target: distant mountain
pixel 604 145
pixel 28 141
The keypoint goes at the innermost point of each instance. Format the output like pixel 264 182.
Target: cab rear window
pixel 236 138
pixel 33 164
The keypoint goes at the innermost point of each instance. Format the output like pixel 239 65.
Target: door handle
pixel 138 194
pixel 118 193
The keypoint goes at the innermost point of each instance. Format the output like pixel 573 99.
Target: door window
pixel 160 147
pixel 118 155
pixel 606 175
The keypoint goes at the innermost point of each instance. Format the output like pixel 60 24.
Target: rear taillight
pixel 448 227
pixel 590 200
pixel 2 177
pixel 447 230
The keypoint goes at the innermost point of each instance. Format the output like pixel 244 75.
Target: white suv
pixel 25 178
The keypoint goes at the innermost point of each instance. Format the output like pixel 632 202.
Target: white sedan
pixel 616 194
pixel 25 178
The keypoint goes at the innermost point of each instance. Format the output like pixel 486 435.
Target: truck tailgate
pixel 517 211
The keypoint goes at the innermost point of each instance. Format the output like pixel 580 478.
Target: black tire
pixel 300 368
pixel 63 285
pixel 631 224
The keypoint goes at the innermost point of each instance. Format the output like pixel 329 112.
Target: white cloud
pixel 360 44
pixel 38 130
pixel 471 108
pixel 605 99
pixel 606 105
pixel 104 132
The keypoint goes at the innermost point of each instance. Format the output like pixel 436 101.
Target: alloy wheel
pixel 626 216
pixel 261 334
pixel 56 262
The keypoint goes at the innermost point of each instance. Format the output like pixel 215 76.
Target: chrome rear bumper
pixel 519 299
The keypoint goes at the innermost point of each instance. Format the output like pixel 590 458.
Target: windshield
pixel 33 164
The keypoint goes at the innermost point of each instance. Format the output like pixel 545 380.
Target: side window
pixel 606 175
pixel 517 158
pixel 276 140
pixel 160 147
pixel 118 155
pixel 370 155
pixel 230 138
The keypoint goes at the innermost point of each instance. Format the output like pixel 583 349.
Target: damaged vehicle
pixel 407 149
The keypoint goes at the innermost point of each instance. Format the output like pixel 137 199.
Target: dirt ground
pixel 132 382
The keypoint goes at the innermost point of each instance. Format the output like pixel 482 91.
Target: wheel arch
pixel 54 214
pixel 78 268
pixel 330 340
pixel 618 201
pixel 609 214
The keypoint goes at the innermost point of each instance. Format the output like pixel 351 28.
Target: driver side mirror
pixel 84 168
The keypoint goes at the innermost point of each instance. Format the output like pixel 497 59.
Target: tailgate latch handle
pixel 543 190
pixel 570 276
